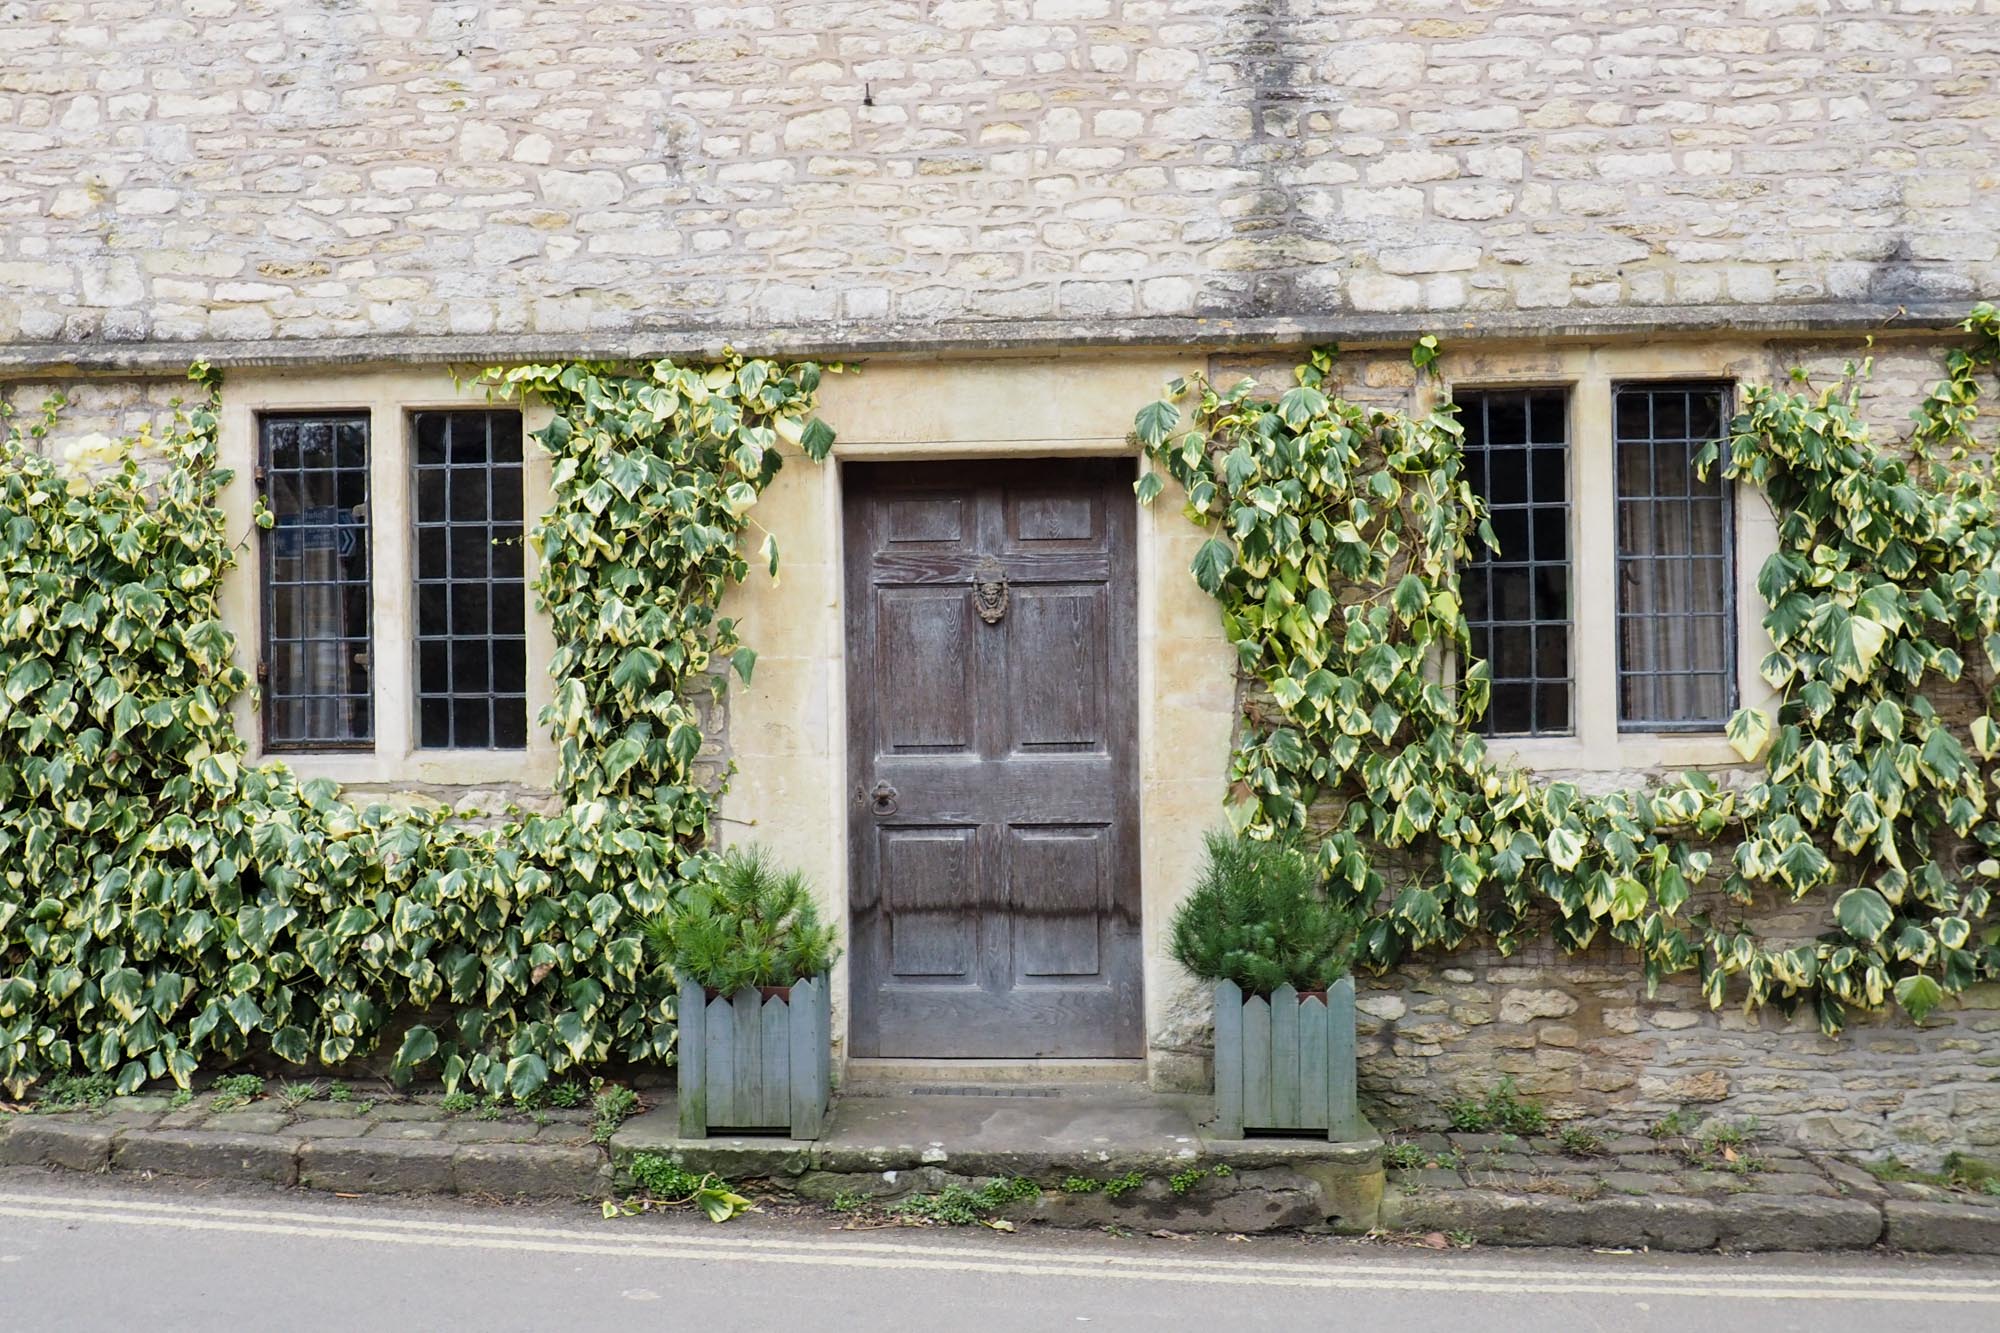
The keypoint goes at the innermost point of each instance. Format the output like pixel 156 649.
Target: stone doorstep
pixel 892 1143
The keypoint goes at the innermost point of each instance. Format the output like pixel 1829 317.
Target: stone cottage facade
pixel 1022 217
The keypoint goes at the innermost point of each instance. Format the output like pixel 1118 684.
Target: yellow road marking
pixel 1537 1280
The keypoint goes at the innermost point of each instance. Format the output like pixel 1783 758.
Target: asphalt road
pixel 82 1254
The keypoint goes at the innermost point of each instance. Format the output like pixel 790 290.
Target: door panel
pixel 1059 705
pixel 994 875
pixel 1058 889
pixel 924 631
pixel 933 931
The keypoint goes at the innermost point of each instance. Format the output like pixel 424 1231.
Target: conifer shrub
pixel 1259 916
pixel 746 922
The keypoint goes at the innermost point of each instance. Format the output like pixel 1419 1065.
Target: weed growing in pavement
pixel 1501 1109
pixel 1960 1172
pixel 65 1092
pixel 1676 1124
pixel 957 1206
pixel 235 1090
pixel 292 1096
pixel 665 1183
pixel 458 1103
pixel 1578 1141
pixel 612 1106
pixel 1404 1156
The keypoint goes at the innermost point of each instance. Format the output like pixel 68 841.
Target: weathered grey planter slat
pixel 752 1064
pixel 1286 1063
pixel 1256 1060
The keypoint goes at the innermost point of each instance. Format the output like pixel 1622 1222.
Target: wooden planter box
pixel 755 1061
pixel 1286 1063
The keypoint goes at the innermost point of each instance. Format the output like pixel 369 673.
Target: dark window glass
pixel 472 649
pixel 1676 567
pixel 317 604
pixel 1517 598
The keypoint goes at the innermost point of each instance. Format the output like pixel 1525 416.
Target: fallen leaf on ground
pixel 1437 1241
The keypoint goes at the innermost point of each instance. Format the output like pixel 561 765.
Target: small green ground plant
pixel 1259 916
pixel 233 1091
pixel 1113 1187
pixel 1579 1141
pixel 665 1183
pixel 1960 1172
pixel 744 922
pixel 294 1095
pixel 1502 1110
pixel 68 1091
pixel 958 1206
pixel 1183 1182
pixel 611 1105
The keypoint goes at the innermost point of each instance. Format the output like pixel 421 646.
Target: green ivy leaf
pixel 1919 995
pixel 1155 421
pixel 1863 913
pixel 1749 731
pixel 1212 564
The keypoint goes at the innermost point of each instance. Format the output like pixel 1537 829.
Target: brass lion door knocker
pixel 989 590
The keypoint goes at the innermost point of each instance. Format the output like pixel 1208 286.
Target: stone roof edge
pixel 1017 337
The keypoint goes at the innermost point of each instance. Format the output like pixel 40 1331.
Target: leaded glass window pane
pixel 471 636
pixel 1517 599
pixel 1676 560
pixel 318 687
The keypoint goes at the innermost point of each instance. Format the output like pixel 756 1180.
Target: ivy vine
pixel 164 904
pixel 1337 532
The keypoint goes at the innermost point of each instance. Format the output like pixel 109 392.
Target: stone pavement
pixel 1674 1192
pixel 1122 1158
pixel 379 1143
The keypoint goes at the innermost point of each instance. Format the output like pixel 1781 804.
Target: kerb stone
pixel 209 1153
pixel 372 1166
pixel 66 1143
pixel 509 1169
pixel 1942 1228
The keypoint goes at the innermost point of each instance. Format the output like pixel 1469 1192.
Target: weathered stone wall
pixel 93 410
pixel 1580 1035
pixel 244 170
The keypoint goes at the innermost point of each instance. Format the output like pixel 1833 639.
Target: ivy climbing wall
pixel 1624 1007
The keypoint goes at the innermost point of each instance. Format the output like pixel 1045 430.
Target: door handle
pixel 883 799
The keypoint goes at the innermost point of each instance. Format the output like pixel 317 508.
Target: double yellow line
pixel 1532 1275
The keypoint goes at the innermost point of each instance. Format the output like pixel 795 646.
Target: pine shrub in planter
pixel 751 959
pixel 1260 927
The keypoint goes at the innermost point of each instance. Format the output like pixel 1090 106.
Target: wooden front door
pixel 992 715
